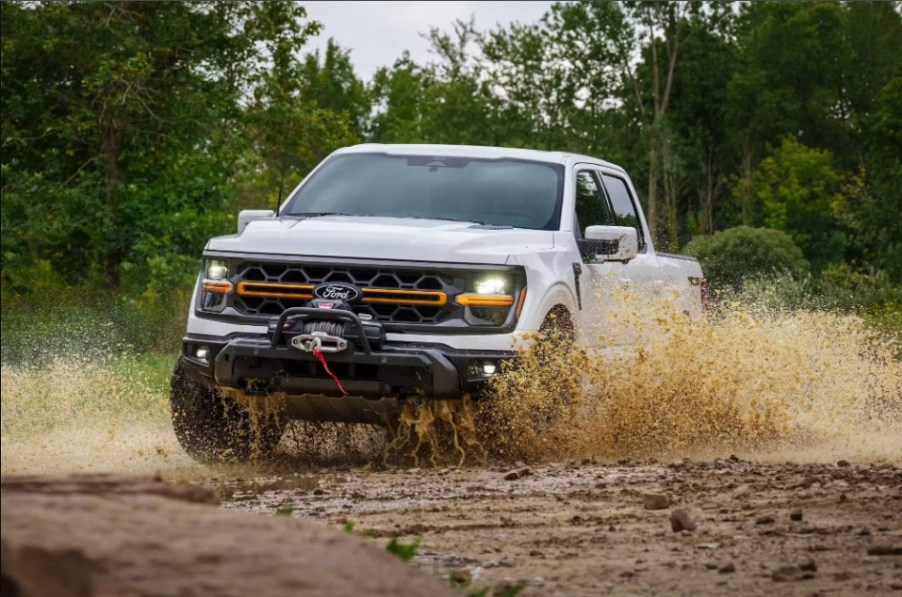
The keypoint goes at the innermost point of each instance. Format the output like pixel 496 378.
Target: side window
pixel 624 208
pixel 590 206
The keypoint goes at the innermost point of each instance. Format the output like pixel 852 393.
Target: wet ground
pixel 582 528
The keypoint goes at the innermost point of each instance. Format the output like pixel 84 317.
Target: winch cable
pixel 322 359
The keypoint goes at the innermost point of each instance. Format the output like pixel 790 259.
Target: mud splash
pixel 89 414
pixel 764 384
pixel 759 384
pixel 442 431
pixel 651 382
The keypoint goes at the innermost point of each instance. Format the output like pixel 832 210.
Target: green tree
pixel 124 127
pixel 397 94
pixel 872 203
pixel 796 189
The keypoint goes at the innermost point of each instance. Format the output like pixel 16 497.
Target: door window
pixel 591 209
pixel 625 213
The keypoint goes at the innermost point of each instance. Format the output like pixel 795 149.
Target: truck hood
pixel 383 238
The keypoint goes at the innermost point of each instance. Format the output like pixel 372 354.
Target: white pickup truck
pixel 397 272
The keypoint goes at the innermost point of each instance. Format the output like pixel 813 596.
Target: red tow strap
pixel 322 359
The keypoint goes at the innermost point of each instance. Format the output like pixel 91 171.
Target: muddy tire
pixel 212 428
pixel 556 336
pixel 557 329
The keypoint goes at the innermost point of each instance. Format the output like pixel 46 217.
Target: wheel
pixel 212 428
pixel 557 329
pixel 553 354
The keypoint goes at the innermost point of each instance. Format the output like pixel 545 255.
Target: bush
pixel 729 257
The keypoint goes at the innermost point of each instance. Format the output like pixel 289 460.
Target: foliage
pixel 742 252
pixel 405 551
pixel 132 132
pixel 796 189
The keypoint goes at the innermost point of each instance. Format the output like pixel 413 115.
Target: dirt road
pixel 583 528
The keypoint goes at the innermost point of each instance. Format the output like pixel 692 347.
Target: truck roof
pixel 474 151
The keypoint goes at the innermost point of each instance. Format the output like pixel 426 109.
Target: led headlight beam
pixel 216 277
pixel 216 270
pixel 493 285
pixel 490 291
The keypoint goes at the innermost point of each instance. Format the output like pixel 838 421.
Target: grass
pixel 72 390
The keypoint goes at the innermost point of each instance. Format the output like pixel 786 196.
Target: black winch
pixel 328 325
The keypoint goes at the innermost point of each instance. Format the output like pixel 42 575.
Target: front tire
pixel 212 428
pixel 553 352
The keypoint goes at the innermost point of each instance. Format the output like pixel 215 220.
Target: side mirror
pixel 610 243
pixel 246 216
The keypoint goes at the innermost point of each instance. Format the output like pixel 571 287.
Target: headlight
pixel 488 299
pixel 491 285
pixel 215 285
pixel 216 269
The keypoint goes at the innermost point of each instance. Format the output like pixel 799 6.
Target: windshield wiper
pixel 316 214
pixel 444 219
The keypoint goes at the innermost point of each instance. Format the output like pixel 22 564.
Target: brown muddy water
pixel 779 434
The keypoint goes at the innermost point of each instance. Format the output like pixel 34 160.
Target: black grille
pixel 412 284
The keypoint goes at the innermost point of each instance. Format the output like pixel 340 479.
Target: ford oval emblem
pixel 336 292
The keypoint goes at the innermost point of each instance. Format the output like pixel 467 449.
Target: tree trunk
pixel 707 206
pixel 111 147
pixel 653 188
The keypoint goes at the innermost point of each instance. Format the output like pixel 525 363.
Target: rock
pixel 843 463
pixel 791 574
pixel 863 532
pixel 796 515
pixel 518 473
pixel 681 521
pixel 766 519
pixel 655 501
pixel 711 565
pixel 808 565
pixel 86 535
pixel 728 568
pixel 885 548
pixel 742 491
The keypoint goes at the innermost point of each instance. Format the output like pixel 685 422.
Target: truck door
pixel 604 199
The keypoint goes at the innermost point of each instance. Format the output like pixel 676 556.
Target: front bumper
pixel 267 364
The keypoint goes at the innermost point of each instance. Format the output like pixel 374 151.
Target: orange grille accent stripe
pixel 394 296
pixel 485 300
pixel 276 290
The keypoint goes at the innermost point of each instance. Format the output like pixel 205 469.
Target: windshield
pixel 506 192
